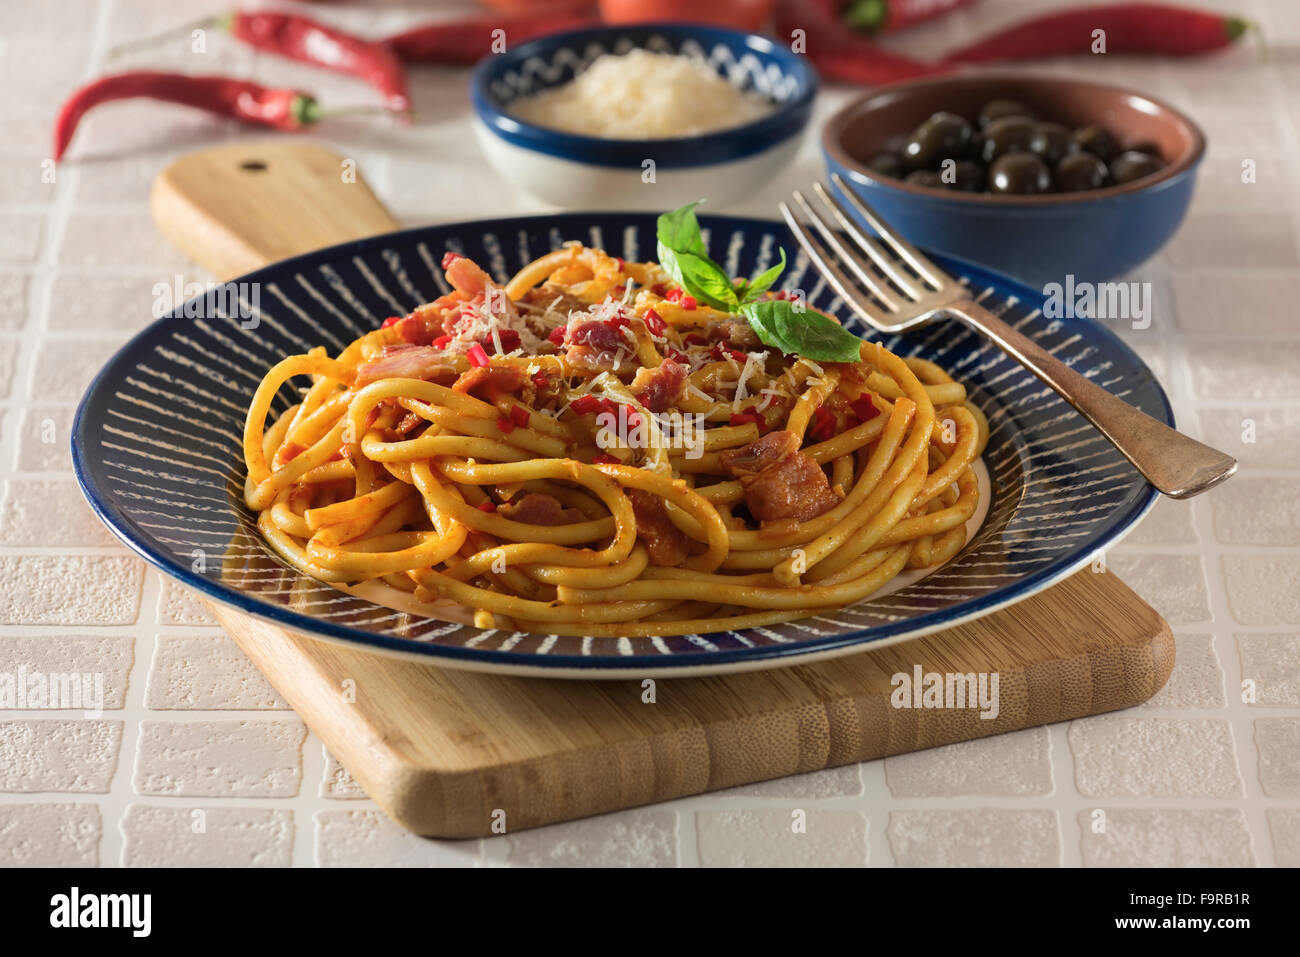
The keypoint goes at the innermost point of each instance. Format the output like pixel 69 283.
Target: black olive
pixel 1133 165
pixel 1080 171
pixel 1020 173
pixel 887 164
pixel 1097 141
pixel 1151 149
pixel 999 109
pixel 1052 143
pixel 1011 134
pixel 965 175
pixel 943 136
pixel 926 177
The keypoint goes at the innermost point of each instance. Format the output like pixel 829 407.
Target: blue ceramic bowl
pixel 569 170
pixel 1093 236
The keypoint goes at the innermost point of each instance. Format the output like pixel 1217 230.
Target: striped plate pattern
pixel 157 447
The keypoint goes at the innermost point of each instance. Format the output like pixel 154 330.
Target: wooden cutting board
pixel 452 753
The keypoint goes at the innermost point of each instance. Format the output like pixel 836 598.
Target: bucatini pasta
pixel 588 449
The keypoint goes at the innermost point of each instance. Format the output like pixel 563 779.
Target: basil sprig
pixel 779 323
pixel 683 255
pixel 801 331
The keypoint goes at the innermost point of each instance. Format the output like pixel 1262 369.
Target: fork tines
pixel 895 283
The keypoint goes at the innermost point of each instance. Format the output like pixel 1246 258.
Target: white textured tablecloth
pixel 1196 776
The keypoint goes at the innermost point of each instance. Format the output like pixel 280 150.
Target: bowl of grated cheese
pixel 646 116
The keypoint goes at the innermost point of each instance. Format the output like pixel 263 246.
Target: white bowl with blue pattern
pixel 588 172
pixel 157 450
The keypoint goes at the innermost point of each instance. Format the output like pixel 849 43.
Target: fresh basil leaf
pixel 701 277
pixel 763 282
pixel 801 332
pixel 680 232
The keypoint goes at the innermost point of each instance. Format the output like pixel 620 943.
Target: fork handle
pixel 1177 465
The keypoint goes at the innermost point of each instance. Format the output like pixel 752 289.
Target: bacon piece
pixel 667 544
pixel 735 332
pixel 409 422
pixel 779 480
pixel 405 362
pixel 758 455
pixel 466 276
pixel 590 361
pixel 539 299
pixel 498 378
pixel 596 334
pixel 536 508
pixel 661 388
pixel 509 342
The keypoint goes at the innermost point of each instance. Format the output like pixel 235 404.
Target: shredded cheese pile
pixel 643 95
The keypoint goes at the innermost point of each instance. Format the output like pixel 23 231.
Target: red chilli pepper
pixel 1129 28
pixel 279 108
pixel 469 40
pixel 839 53
pixel 864 408
pixel 307 41
pixel 823 425
pixel 890 16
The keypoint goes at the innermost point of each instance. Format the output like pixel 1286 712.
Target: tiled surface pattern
pixel 195 760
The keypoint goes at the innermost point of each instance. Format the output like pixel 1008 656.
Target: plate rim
pixel 582 666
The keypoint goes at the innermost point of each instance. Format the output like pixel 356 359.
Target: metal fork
pixel 906 289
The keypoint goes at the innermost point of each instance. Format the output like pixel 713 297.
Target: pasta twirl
pixel 586 449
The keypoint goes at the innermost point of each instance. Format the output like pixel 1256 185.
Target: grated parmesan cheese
pixel 482 322
pixel 698 392
pixel 753 362
pixel 643 95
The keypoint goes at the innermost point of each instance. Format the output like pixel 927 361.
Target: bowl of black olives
pixel 1036 177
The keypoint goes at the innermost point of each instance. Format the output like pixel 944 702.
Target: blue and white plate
pixel 157 449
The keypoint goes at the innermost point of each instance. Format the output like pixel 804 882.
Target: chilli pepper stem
pixel 890 16
pixel 838 52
